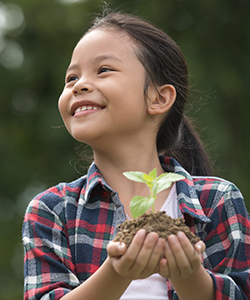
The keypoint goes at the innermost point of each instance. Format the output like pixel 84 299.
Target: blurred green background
pixel 36 41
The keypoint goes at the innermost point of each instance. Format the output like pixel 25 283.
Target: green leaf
pixel 139 205
pixel 160 186
pixel 148 178
pixel 135 176
pixel 172 177
pixel 153 174
pixel 164 181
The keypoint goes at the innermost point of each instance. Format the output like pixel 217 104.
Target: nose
pixel 81 86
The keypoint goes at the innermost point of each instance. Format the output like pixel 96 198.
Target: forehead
pixel 105 42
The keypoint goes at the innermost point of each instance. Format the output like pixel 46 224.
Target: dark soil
pixel 158 222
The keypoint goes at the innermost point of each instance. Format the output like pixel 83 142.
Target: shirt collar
pixel 186 192
pixel 93 179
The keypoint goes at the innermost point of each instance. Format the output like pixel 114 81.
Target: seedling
pixel 139 204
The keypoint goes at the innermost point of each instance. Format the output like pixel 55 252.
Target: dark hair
pixel 164 64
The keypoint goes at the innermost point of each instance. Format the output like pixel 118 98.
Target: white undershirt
pixel 154 287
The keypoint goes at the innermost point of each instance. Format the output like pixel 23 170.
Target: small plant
pixel 139 204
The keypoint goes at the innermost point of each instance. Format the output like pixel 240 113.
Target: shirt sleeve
pixel 48 267
pixel 227 256
pixel 227 239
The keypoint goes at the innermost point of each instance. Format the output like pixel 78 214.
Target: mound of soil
pixel 158 222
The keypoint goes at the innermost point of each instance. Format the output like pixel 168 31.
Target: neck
pixel 144 160
pixel 123 153
pixel 114 163
pixel 112 168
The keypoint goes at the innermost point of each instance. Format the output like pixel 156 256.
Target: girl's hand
pixel 182 259
pixel 142 257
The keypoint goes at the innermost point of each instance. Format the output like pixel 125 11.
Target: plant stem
pixel 152 195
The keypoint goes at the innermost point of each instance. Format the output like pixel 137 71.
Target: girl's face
pixel 103 97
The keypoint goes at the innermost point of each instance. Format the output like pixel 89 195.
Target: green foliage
pixel 139 204
pixel 36 150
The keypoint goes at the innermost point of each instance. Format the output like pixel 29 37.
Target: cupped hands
pixel 174 259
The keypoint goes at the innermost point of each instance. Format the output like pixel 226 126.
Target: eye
pixel 71 78
pixel 104 70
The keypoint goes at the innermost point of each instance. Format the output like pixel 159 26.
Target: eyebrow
pixel 96 60
pixel 107 56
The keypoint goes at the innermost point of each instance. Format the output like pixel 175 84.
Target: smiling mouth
pixel 87 107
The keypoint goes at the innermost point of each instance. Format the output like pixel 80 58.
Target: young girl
pixel 124 95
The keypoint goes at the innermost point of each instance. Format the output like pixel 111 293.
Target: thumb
pixel 200 247
pixel 116 249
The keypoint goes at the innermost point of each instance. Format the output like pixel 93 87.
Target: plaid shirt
pixel 67 228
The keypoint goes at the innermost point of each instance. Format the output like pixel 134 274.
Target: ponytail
pixel 185 146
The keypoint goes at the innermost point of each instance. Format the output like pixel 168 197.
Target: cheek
pixel 62 104
pixel 62 107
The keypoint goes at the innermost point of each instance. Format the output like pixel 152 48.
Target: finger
pixel 143 258
pixel 153 263
pixel 163 268
pixel 171 247
pixel 116 249
pixel 127 260
pixel 191 252
pixel 200 247
pixel 186 256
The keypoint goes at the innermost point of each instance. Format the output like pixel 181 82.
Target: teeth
pixel 86 108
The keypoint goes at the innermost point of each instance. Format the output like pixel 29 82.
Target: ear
pixel 162 100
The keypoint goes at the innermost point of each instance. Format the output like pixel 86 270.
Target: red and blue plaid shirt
pixel 67 228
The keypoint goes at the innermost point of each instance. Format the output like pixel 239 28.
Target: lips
pixel 80 106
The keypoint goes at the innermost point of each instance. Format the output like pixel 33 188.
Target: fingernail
pixel 141 233
pixel 164 263
pixel 173 238
pixel 181 235
pixel 121 246
pixel 160 242
pixel 198 247
pixel 152 237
